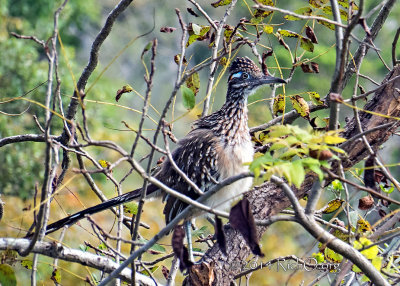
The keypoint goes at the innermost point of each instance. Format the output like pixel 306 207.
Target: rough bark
pixel 267 200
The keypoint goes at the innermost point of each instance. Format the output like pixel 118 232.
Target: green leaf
pixel 7 275
pixel 387 190
pixel 152 270
pixel 146 49
pixel 301 11
pixel 328 10
pixel 337 185
pixel 279 131
pixel 291 152
pixel 319 257
pixel 306 44
pixel 200 231
pixel 188 97
pixel 155 247
pixel 26 263
pixel 278 145
pixel 131 208
pixel 102 246
pixel 195 34
pixel 314 165
pixel 297 173
pixel 196 29
pixel 158 247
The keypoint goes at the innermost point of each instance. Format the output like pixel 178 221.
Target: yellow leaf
pixel 301 11
pixel 326 24
pixel 268 29
pixel 223 61
pixel 267 2
pixel 317 3
pixel 363 225
pixel 125 89
pixel 315 97
pixel 332 256
pixel 104 163
pixel 279 104
pixel 301 106
pixel 287 33
pixel 339 234
pixel 329 139
pixel 221 3
pixel 26 263
pixel 328 10
pixel 369 253
pixel 332 206
pixel 56 276
pixel 377 262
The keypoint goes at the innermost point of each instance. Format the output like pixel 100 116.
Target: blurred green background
pixel 23 68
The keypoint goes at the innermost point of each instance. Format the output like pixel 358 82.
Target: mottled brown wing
pixel 196 157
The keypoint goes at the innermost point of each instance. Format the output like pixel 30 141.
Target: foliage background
pixel 23 68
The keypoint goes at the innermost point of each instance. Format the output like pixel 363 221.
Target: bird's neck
pixel 230 122
pixel 233 123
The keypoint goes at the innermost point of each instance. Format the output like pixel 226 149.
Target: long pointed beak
pixel 267 79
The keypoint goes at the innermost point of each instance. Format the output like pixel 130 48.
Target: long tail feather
pixel 127 197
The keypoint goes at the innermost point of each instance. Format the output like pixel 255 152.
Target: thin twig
pixel 214 55
pixel 368 190
pixel 178 170
pixel 394 45
pixel 303 17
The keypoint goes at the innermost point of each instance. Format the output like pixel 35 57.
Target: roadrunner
pixel 216 149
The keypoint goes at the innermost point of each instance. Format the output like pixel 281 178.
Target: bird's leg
pixel 188 229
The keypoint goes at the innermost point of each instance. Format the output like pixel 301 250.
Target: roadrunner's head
pixel 245 77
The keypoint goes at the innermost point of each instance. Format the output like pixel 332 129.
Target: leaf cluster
pixel 294 152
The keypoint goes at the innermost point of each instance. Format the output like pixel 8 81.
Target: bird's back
pixel 214 150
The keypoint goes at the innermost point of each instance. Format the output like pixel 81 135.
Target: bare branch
pixel 213 67
pixel 287 12
pixel 56 250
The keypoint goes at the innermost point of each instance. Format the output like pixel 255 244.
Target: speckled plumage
pixel 216 149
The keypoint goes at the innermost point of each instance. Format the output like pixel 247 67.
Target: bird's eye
pixel 245 75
